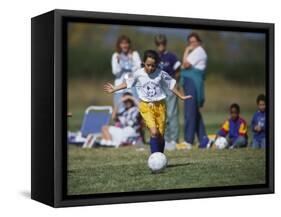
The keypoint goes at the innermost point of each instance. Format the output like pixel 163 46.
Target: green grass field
pixel 125 169
pixel 104 170
pixel 101 170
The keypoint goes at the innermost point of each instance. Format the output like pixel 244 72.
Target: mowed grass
pixel 104 170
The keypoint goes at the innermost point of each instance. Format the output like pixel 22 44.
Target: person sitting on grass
pixel 258 124
pixel 129 124
pixel 235 127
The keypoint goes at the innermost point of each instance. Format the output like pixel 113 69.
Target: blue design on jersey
pixel 151 89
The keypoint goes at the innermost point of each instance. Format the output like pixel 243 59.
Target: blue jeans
pixel 258 143
pixel 194 123
pixel 172 123
pixel 240 142
pixel 117 101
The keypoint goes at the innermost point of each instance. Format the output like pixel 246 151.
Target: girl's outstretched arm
pixel 109 88
pixel 178 94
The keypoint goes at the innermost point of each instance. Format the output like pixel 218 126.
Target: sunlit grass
pixel 125 169
pixel 104 170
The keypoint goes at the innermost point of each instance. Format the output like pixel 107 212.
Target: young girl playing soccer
pixel 150 82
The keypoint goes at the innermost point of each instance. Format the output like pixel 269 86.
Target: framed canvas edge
pixel 59 200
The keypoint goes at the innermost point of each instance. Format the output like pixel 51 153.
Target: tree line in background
pixel 233 56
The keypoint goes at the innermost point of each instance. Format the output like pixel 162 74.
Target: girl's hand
pixel 108 88
pixel 180 95
pixel 186 97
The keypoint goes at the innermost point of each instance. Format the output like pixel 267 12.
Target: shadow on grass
pixel 178 165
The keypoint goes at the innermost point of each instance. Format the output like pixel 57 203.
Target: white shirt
pixel 198 58
pixel 150 87
pixel 124 64
pixel 130 118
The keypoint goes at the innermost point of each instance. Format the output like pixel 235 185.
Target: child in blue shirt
pixel 235 127
pixel 258 124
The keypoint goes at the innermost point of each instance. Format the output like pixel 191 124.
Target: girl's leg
pixel 190 111
pixel 105 133
pixel 160 117
pixel 102 134
pixel 155 141
pixel 154 117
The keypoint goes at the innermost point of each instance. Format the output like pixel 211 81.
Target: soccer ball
pixel 157 162
pixel 221 143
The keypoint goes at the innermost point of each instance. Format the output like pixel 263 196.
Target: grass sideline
pixel 104 170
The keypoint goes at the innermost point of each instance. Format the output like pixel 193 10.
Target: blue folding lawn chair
pixel 95 117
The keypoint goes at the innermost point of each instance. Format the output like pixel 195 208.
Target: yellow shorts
pixel 154 114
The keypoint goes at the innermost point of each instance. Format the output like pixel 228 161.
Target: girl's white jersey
pixel 150 87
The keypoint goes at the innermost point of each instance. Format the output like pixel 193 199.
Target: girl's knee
pixel 154 132
pixel 104 128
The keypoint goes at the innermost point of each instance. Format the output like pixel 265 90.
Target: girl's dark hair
pixel 151 54
pixel 235 106
pixel 260 97
pixel 119 40
pixel 195 35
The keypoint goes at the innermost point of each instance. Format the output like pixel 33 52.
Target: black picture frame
pixel 49 108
